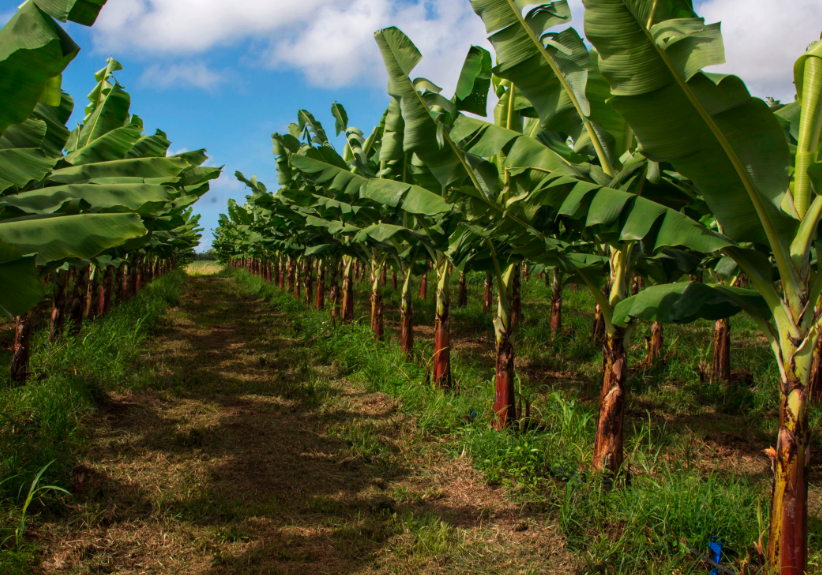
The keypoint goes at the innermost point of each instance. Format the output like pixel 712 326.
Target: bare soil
pixel 240 455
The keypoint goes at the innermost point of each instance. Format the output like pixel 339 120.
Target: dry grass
pixel 203 268
pixel 242 457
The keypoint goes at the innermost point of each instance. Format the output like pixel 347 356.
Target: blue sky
pixel 223 75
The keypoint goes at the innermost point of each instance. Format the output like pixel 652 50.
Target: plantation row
pixel 85 212
pixel 624 169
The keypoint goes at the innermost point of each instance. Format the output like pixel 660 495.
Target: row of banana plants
pixel 81 206
pixel 602 166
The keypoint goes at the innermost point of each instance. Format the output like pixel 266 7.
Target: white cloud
pixel 330 42
pixel 190 26
pixel 183 75
pixel 763 40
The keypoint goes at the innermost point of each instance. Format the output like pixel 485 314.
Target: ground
pixel 242 456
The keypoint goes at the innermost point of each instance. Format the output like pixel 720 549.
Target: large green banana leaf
pixel 555 72
pixel 56 237
pixel 34 51
pixel 136 168
pixel 139 198
pixel 686 302
pixel 22 288
pixel 420 131
pixel 414 199
pixel 706 125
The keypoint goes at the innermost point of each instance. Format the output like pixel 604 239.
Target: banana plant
pixel 763 199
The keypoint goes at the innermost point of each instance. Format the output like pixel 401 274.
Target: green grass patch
pixel 677 493
pixel 43 421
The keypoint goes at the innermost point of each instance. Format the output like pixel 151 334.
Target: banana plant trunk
pixel 394 280
pixel 21 350
pixel 105 292
pixel 598 331
pixel 319 300
pixel 788 540
pixel 815 383
pixel 348 289
pixel 58 306
pixel 608 444
pixel 556 302
pixel 463 293
pixel 655 344
pixel 377 274
pixel 442 323
pixel 138 279
pixel 308 280
pixel 505 411
pixel 488 297
pixel 516 299
pixel 721 366
pixel 383 276
pixel 76 306
pixel 424 285
pixel 128 281
pixel 290 267
pixel 297 266
pixel 407 317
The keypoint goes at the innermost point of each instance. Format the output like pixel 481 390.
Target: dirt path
pixel 242 456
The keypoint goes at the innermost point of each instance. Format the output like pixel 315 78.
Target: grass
pixel 693 448
pixel 41 423
pixel 203 268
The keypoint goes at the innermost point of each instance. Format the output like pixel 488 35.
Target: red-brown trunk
pixel 442 350
pixel 463 294
pixel 788 540
pixel 21 350
pixel 424 285
pixel 505 411
pixel 721 366
pixel 394 280
pixel 556 314
pixel 654 345
pixel 383 276
pixel 289 280
pixel 608 445
pixel 556 303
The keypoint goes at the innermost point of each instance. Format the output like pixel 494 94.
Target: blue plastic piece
pixel 715 551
